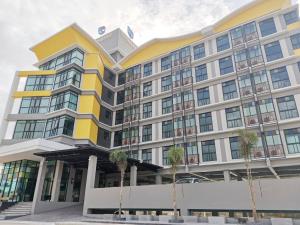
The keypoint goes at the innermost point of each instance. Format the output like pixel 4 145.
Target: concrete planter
pixel 282 221
pixel 170 219
pixel 190 219
pixel 145 218
pixel 131 217
pixel 108 216
pixel 216 220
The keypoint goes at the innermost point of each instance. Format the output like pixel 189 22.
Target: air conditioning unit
pixel 125 142
pixel 252 121
pixel 190 131
pixel 187 105
pixel 260 89
pixel 246 92
pixel 133 141
pixel 268 119
pixel 178 107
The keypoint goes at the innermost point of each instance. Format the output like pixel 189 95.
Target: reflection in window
pixel 67 77
pixel 62 125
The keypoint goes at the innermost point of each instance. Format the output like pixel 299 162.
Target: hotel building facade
pixel 89 97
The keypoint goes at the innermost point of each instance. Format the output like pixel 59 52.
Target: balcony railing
pixel 178 132
pixel 187 80
pixel 246 91
pixel 251 120
pixel 192 159
pixel 188 104
pixel 241 65
pixel 255 61
pixel 237 41
pixel 177 107
pixel 268 117
pixel 262 87
pixel 275 150
pixel 258 152
pixel 191 130
pixel 252 36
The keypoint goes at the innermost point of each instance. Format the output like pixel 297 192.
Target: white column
pixel 69 197
pixel 226 175
pixel 158 179
pixel 56 181
pixel 83 185
pixel 133 175
pixel 39 185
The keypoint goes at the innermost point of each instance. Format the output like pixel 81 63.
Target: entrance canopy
pixel 79 157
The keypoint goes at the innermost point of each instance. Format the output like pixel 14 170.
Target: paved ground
pixel 73 214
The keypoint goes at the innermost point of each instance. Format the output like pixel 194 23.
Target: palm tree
pixel 119 157
pixel 247 140
pixel 175 157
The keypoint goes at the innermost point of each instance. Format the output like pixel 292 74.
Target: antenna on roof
pixel 101 30
pixel 130 32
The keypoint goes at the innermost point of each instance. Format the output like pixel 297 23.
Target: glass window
pixel 165 150
pixel 292 138
pixel 147 132
pixel 67 77
pixel 133 154
pixel 166 83
pixel 273 51
pixel 192 152
pixel 280 78
pixel 203 96
pixel 121 78
pixel 201 72
pixel 229 90
pixel 287 107
pixel 167 129
pixel 167 105
pixel 233 117
pixel 64 100
pixel 223 43
pixel 73 56
pixel 34 105
pixel 205 121
pixel 267 27
pixel 147 69
pixel 29 129
pixel 295 39
pixel 208 151
pixel 62 125
pixel 199 51
pixel 147 110
pixel 147 155
pixel 39 83
pixel 291 17
pixel 225 65
pixel 165 63
pixel 273 139
pixel 147 89
pixel 235 147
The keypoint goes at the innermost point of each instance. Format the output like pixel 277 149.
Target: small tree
pixel 247 140
pixel 120 158
pixel 175 157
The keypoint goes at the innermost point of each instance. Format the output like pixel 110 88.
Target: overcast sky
pixel 23 23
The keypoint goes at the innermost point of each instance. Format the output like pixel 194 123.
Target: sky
pixel 24 23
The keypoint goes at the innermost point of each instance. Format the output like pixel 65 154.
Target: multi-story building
pixel 196 91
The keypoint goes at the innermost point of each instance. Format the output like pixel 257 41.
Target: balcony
pixel 187 80
pixel 275 150
pixel 268 117
pixel 246 91
pixel 255 61
pixel 258 152
pixel 192 159
pixel 176 83
pixel 178 132
pixel 191 130
pixel 237 41
pixel 188 104
pixel 241 65
pixel 262 87
pixel 252 36
pixel 251 120
pixel 177 107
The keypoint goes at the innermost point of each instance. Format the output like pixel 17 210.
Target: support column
pixel 158 179
pixel 226 175
pixel 39 185
pixel 83 185
pixel 56 181
pixel 69 197
pixel 133 175
pixel 90 179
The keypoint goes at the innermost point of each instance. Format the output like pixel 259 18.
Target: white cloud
pixel 25 23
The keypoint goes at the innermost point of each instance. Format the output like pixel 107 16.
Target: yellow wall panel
pixel 248 14
pixel 86 129
pixel 293 26
pixel 297 52
pixel 35 72
pixel 20 94
pixel 91 82
pixel 158 48
pixel 93 61
pixel 89 104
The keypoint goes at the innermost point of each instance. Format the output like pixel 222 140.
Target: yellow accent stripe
pixel 293 26
pixel 36 72
pixel 20 94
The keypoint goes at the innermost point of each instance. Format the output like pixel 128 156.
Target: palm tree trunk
pixel 174 193
pixel 121 193
pixel 252 191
